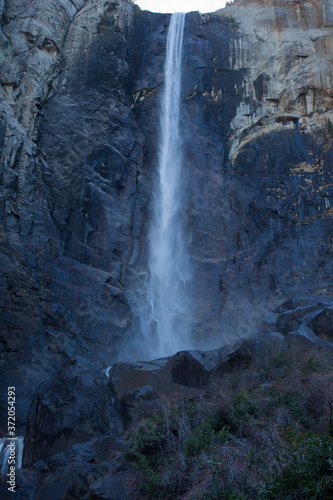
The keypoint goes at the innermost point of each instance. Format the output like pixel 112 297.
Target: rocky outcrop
pixel 191 373
pixel 86 468
pixel 322 324
pixel 74 428
pixel 79 106
pixel 287 51
pixel 75 406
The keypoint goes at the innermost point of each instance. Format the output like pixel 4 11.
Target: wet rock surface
pixel 140 403
pixel 77 404
pixel 322 325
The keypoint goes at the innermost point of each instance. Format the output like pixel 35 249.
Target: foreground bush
pixel 307 471
pixel 270 443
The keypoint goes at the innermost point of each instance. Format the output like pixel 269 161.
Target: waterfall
pixel 168 321
pixel 5 452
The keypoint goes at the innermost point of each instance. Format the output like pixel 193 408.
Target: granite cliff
pixel 79 115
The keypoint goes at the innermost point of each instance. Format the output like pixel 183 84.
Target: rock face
pixel 260 166
pixel 79 107
pixel 75 406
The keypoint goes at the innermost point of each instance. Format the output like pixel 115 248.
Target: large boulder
pixel 71 473
pixel 109 487
pixel 248 352
pixel 129 376
pixel 189 368
pixel 76 405
pixel 322 325
pixel 289 319
pixel 27 484
pixel 185 373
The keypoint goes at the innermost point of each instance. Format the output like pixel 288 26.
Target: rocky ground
pixel 250 420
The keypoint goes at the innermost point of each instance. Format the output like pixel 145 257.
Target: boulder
pixel 247 352
pixel 305 340
pixel 108 449
pixel 185 373
pixel 129 376
pixel 322 325
pixel 189 368
pixel 141 403
pixel 78 453
pixel 27 484
pixel 291 318
pixel 70 482
pixel 109 487
pixel 76 405
pixel 238 357
pixel 80 471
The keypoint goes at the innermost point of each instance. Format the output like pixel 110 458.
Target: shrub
pixel 233 444
pixel 147 439
pixel 281 360
pixel 311 365
pixel 200 439
pixel 308 469
pixel 204 436
pixel 244 408
pixel 217 491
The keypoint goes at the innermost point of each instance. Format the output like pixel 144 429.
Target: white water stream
pixel 7 453
pixel 168 325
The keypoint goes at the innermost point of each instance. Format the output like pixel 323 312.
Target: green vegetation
pixel 282 359
pixel 204 436
pixel 307 470
pixel 271 442
pixel 165 447
pixel 311 365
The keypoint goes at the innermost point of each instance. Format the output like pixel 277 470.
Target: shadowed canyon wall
pixel 79 120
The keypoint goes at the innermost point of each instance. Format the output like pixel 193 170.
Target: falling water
pixel 168 321
pixel 5 453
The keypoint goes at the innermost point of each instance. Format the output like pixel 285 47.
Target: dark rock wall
pixel 91 172
pixel 260 221
pixel 79 162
